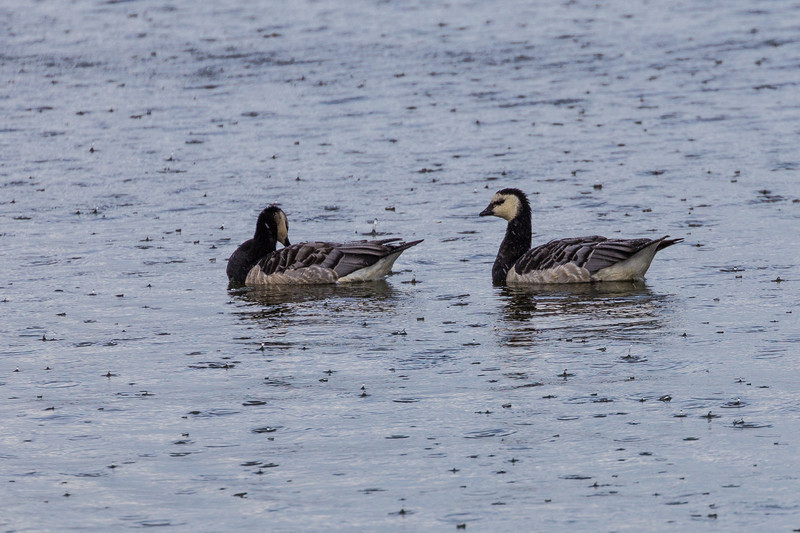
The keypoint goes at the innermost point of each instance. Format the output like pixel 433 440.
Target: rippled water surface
pixel 140 139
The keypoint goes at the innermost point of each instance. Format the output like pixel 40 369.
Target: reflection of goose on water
pixel 603 312
pixel 379 294
pixel 597 301
pixel 570 260
pixel 310 262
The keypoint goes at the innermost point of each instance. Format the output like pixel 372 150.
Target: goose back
pixel 327 262
pixel 584 259
pixel 570 260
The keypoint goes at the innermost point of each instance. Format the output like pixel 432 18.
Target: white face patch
pixel 508 209
pixel 283 227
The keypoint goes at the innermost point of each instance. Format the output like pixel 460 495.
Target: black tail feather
pixel 405 245
pixel 666 242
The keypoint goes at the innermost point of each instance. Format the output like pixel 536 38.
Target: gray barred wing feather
pixel 349 257
pixel 295 257
pixel 612 251
pixel 593 253
pixel 558 252
pixel 342 258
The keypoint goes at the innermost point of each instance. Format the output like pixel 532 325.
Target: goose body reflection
pixel 570 260
pixel 284 310
pixel 380 293
pixel 620 311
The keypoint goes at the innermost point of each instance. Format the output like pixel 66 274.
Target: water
pixel 141 139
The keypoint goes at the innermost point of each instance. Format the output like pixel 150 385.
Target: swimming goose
pixel 328 262
pixel 272 227
pixel 571 260
pixel 309 262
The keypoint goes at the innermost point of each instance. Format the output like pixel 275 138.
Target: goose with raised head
pixel 570 260
pixel 316 262
pixel 272 227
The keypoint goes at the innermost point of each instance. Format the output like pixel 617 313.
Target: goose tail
pixel 402 246
pixel 666 242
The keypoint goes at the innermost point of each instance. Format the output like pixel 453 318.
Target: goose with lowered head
pixel 315 262
pixel 272 227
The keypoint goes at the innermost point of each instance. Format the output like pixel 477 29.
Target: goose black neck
pixel 263 240
pixel 247 255
pixel 516 242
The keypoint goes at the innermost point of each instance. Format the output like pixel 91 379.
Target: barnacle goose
pixel 314 262
pixel 570 260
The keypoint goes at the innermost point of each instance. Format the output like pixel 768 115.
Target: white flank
pixel 633 268
pixel 566 273
pixel 372 272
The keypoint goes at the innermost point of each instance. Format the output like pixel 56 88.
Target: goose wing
pixel 592 253
pixel 613 251
pixel 342 258
pixel 296 257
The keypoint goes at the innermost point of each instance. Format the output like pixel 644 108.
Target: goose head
pixel 273 224
pixel 508 204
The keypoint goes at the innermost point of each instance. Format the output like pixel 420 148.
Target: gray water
pixel 140 139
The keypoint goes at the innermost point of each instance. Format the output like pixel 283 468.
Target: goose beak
pixel 488 211
pixel 286 242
